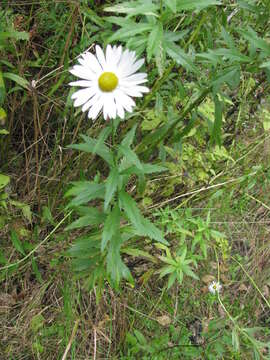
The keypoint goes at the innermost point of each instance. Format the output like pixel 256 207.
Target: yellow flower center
pixel 107 81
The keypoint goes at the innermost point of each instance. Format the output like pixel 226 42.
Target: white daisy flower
pixel 109 82
pixel 215 287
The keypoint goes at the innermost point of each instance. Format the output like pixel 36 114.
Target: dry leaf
pixel 207 279
pixel 243 287
pixel 164 320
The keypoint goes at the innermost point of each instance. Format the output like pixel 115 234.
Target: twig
pixel 75 328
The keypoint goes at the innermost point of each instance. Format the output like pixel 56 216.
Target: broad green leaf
pixel 4 180
pixel 111 226
pixel 91 216
pixel 90 144
pixel 143 227
pixel 171 5
pixel 111 186
pixel 17 242
pixel 195 4
pixel 17 79
pixel 154 40
pixel 85 191
pixel 127 31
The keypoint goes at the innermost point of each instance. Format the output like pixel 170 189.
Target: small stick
pixel 71 339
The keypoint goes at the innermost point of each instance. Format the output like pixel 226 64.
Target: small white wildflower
pixel 109 82
pixel 214 287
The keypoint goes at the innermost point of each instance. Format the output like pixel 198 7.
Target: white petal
pixel 120 110
pixel 101 57
pixel 92 63
pixel 109 108
pixel 82 96
pixel 82 83
pixel 134 91
pixel 117 54
pixel 109 54
pixel 95 98
pixel 136 77
pixel 133 68
pixel 95 109
pixel 82 72
pixel 124 99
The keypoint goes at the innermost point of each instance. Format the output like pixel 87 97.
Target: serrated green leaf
pixel 111 186
pixel 154 40
pixel 17 79
pixel 232 55
pixel 111 226
pixel 116 268
pixel 85 191
pixel 17 242
pixel 91 217
pixel 129 137
pixel 127 31
pixel 178 54
pixel 17 35
pixel 139 253
pixel 85 246
pixel 130 156
pixel 101 138
pixel 251 36
pixel 195 4
pixel 133 8
pixel 143 227
pixel 231 76
pixel 90 144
